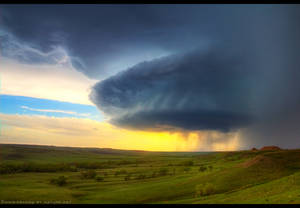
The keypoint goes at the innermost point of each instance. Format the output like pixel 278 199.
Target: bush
pixel 60 181
pixel 99 178
pixel 186 169
pixel 163 171
pixel 88 174
pixel 124 162
pixel 202 168
pixel 127 178
pixel 94 165
pixel 153 174
pixel 174 170
pixel 120 172
pixel 73 168
pixel 204 190
pixel 188 163
pixel 9 168
pixel 140 177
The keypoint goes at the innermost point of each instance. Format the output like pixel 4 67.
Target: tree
pixel 141 176
pixel 127 177
pixel 153 174
pixel 202 168
pixel 99 178
pixel 88 174
pixel 188 163
pixel 60 181
pixel 163 171
pixel 122 171
pixel 186 169
pixel 174 170
pixel 204 190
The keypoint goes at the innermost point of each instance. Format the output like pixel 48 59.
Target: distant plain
pixel 91 175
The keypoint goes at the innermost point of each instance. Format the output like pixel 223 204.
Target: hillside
pixel 123 176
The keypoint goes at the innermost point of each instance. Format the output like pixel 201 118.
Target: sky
pixel 150 77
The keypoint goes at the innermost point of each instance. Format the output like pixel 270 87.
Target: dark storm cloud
pixel 106 39
pixel 198 90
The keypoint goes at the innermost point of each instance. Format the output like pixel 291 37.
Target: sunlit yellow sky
pixel 76 132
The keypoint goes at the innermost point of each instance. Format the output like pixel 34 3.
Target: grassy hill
pixel 92 175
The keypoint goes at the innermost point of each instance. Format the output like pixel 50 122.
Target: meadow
pixel 50 174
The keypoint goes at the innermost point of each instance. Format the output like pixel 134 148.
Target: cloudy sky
pixel 150 77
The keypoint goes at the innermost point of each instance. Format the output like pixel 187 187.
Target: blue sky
pixel 34 106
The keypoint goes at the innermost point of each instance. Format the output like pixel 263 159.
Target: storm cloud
pixel 101 40
pixel 198 90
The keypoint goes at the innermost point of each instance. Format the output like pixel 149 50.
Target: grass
pixel 235 177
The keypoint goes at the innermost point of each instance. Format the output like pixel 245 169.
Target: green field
pixel 27 174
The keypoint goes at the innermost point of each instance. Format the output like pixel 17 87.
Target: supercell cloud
pixel 197 90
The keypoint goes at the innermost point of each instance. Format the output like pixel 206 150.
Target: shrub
pixel 163 171
pixel 99 178
pixel 141 176
pixel 186 169
pixel 88 174
pixel 127 178
pixel 153 174
pixel 122 171
pixel 9 168
pixel 124 162
pixel 174 170
pixel 60 181
pixel 202 168
pixel 73 168
pixel 204 190
pixel 93 165
pixel 188 163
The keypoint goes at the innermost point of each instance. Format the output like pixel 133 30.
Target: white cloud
pixel 55 82
pixel 55 111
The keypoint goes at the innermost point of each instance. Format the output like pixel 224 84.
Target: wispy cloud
pixel 56 111
pixel 25 52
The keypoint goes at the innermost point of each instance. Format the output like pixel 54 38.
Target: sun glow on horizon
pixel 76 132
